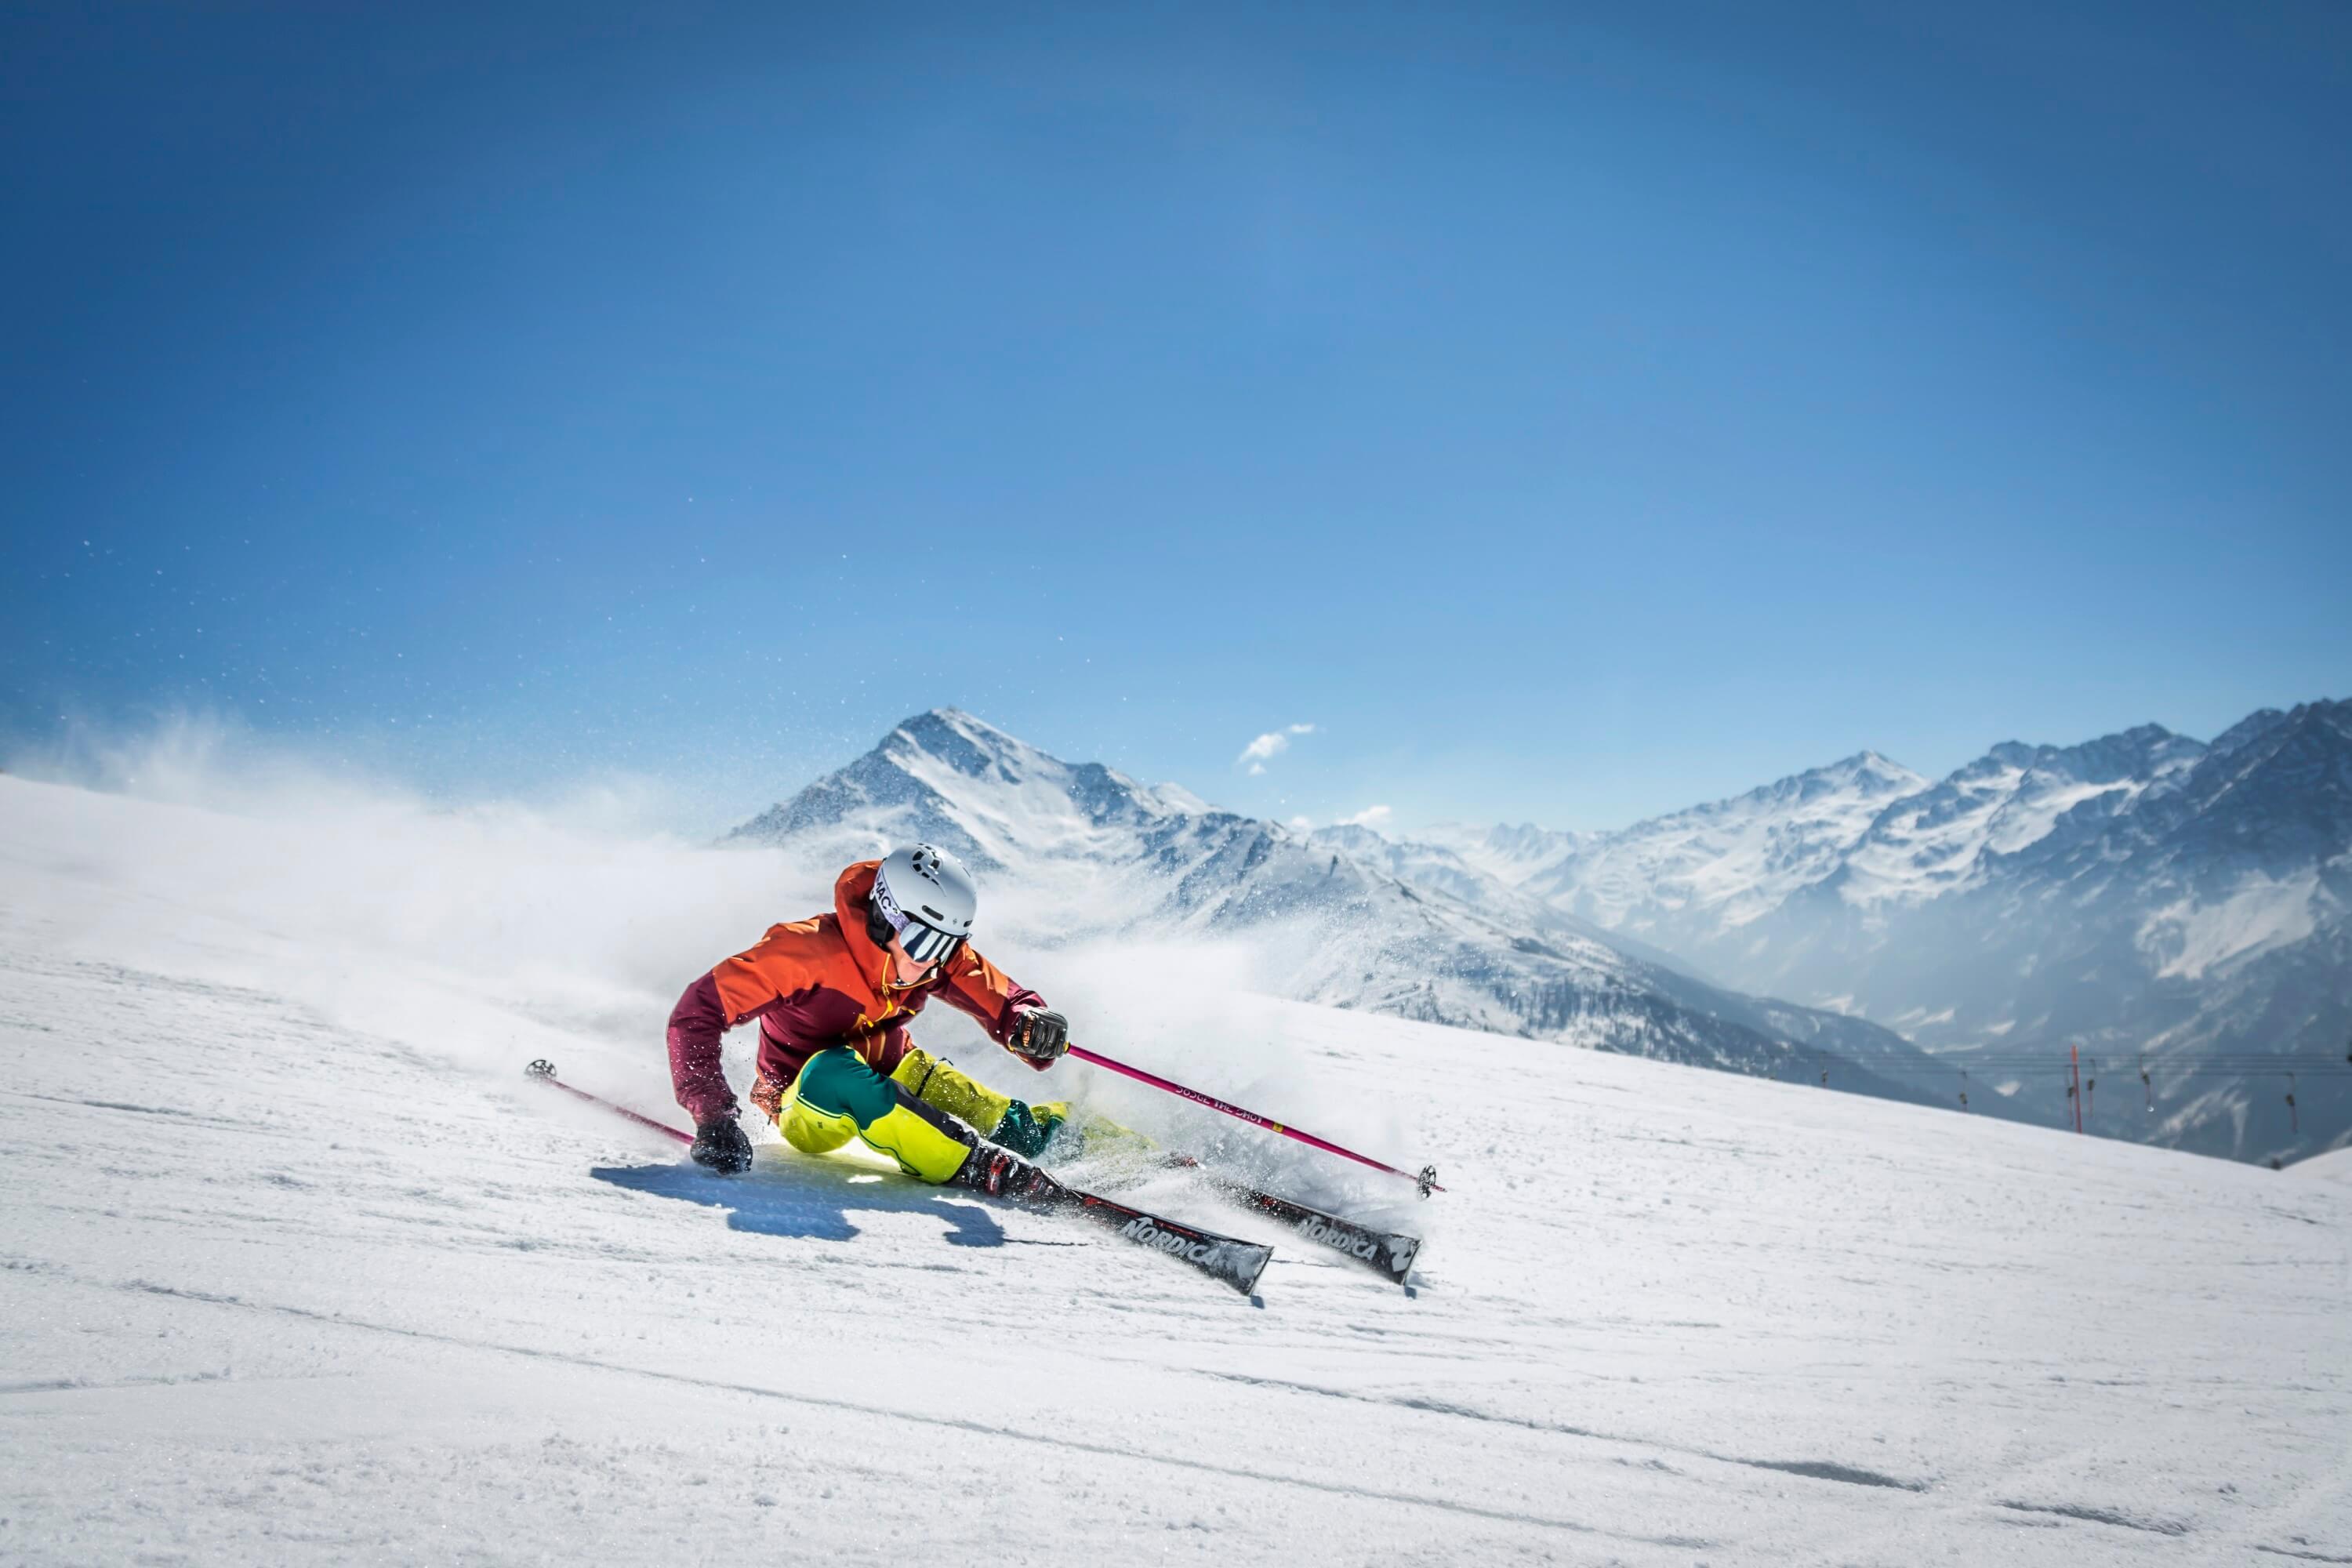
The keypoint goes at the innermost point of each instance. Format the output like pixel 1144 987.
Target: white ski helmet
pixel 926 898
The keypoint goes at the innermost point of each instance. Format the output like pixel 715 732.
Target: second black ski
pixel 1389 1254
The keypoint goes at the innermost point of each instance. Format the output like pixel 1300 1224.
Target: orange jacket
pixel 820 983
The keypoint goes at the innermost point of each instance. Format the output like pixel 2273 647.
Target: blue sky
pixel 1571 413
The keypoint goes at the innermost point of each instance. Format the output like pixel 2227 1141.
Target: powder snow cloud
pixel 1370 817
pixel 1271 745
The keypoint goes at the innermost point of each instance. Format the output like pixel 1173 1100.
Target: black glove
pixel 1040 1037
pixel 721 1144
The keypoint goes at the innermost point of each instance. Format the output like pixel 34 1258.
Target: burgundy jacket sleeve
pixel 695 1025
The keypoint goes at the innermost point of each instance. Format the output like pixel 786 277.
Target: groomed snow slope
pixel 294 1267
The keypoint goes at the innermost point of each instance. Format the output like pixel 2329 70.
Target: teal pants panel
pixel 840 1082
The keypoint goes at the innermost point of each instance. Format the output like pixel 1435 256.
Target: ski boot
pixel 1001 1173
pixel 1052 1132
pixel 1029 1129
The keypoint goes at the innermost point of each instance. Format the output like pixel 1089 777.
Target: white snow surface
pixel 295 1267
pixel 2335 1165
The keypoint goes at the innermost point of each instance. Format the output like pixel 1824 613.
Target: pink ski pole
pixel 544 1071
pixel 1426 1180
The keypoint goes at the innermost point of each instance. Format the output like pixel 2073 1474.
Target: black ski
pixel 1237 1263
pixel 1389 1254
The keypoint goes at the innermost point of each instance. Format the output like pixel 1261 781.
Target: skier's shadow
pixel 813 1200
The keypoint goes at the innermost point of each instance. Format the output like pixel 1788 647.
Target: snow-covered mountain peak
pixel 1729 860
pixel 1837 789
pixel 1862 777
pixel 2139 753
pixel 1873 770
pixel 1511 854
pixel 2005 802
pixel 2250 728
pixel 1868 771
pixel 955 739
pixel 2140 891
pixel 2281 789
pixel 1353 837
pixel 950 778
pixel 2311 733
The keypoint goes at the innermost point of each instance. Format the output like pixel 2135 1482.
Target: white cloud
pixel 1271 745
pixel 1370 817
pixel 1302 824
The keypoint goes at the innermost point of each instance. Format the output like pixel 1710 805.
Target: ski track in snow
pixel 287 1282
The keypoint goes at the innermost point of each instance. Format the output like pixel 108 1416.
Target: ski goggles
pixel 924 942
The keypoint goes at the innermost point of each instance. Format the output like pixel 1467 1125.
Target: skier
pixel 834 994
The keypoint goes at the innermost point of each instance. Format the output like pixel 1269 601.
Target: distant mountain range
pixel 2145 898
pixel 1349 919
pixel 2148 900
